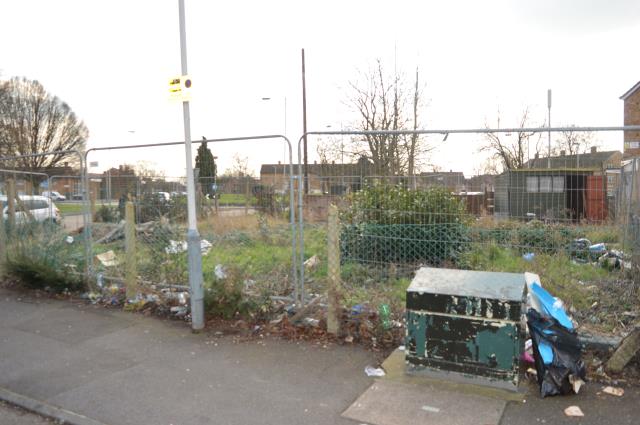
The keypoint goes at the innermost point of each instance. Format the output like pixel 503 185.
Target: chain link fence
pixel 571 218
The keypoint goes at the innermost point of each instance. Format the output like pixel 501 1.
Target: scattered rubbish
pixel 176 247
pixel 108 259
pixel 179 311
pixel 375 372
pixel 430 409
pixel 312 263
pixel 69 239
pixel 219 272
pixel 348 339
pixel 356 309
pixel 577 383
pixel 573 411
pixel 613 259
pixel 556 348
pixel 205 246
pixel 619 392
pixel 100 280
pixel 385 312
pixel 529 256
pixel 579 249
pixel 309 321
pixel 401 348
pixel 597 249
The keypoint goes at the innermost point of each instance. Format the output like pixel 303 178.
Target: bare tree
pixel 381 103
pixel 239 167
pixel 34 121
pixel 575 142
pixel 512 151
pixel 147 170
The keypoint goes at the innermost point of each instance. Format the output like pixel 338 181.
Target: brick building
pixel 631 101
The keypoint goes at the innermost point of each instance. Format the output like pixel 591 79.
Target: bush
pixel 40 257
pixel 384 204
pixel 392 224
pixel 107 214
pixel 226 298
pixel 539 237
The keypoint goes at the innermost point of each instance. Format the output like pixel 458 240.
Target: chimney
pixel 66 164
pixel 563 152
pixel 594 149
pixel 315 162
pixel 278 162
pixel 537 156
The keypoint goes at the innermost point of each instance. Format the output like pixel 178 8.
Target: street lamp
pixel 267 99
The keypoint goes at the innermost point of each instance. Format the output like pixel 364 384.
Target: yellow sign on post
pixel 180 88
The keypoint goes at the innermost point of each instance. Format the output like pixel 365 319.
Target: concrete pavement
pixel 121 368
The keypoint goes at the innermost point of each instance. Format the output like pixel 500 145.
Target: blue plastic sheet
pixel 551 305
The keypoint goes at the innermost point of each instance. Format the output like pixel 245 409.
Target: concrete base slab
pixel 387 402
pixel 396 370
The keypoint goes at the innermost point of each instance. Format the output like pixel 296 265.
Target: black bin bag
pixel 557 353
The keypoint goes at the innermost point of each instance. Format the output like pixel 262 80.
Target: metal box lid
pixel 468 283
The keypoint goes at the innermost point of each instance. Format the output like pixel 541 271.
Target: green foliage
pixel 207 167
pixel 392 224
pixel 107 214
pixel 386 204
pixel 227 298
pixel 40 257
pixel 539 237
pixel 558 273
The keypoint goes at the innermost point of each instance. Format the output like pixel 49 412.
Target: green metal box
pixel 466 325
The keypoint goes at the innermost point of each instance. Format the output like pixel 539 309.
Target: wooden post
pixel 246 196
pixel 333 267
pixel 11 204
pixel 131 272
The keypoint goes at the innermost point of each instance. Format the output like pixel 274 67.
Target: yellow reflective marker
pixel 180 88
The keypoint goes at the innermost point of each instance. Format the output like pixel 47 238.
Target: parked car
pixel 163 196
pixel 41 209
pixel 55 196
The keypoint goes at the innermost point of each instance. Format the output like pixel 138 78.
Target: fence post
pixel 246 197
pixel 3 241
pixel 333 266
pixel 131 272
pixel 92 197
pixel 11 204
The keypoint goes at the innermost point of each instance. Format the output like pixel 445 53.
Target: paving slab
pixel 389 402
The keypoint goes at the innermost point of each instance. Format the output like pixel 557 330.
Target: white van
pixel 40 207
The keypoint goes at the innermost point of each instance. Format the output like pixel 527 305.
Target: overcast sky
pixel 111 61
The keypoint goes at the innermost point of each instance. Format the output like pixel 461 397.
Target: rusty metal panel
pixel 596 198
pixel 467 323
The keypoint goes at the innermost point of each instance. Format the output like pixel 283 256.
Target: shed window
pixel 558 184
pixel 532 184
pixel 545 184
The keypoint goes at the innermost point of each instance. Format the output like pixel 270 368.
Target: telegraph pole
pixel 193 237
pixel 304 127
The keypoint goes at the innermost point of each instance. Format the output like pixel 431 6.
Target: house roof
pixel 631 91
pixel 360 168
pixel 583 160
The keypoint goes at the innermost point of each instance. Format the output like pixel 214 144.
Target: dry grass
pixel 222 225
